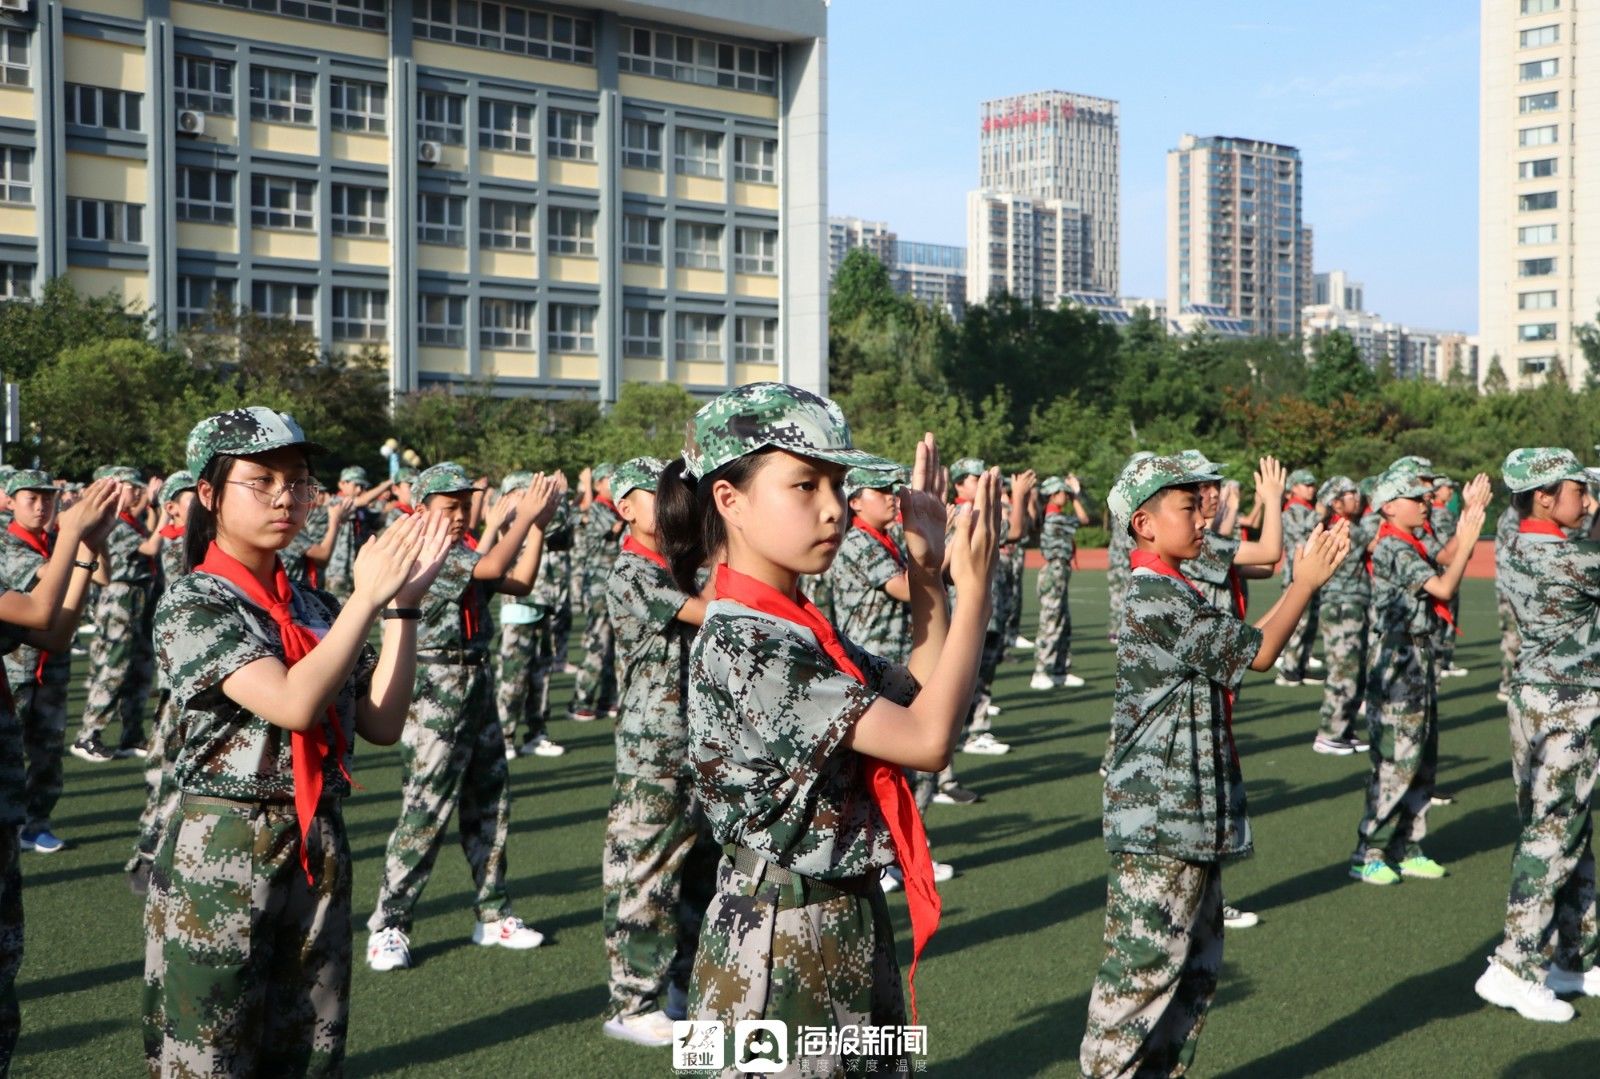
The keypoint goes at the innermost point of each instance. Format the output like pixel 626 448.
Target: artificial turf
pixel 1339 978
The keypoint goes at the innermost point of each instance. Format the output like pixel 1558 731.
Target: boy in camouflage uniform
pixel 1346 600
pixel 1174 806
pixel 527 657
pixel 452 752
pixel 1442 522
pixel 596 684
pixel 121 657
pixel 1120 547
pixel 1297 666
pixel 358 522
pixel 1409 594
pixel 1553 584
pixel 1063 514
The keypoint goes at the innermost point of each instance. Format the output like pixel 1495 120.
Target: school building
pixel 558 199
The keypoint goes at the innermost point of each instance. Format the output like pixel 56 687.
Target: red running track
pixel 1094 558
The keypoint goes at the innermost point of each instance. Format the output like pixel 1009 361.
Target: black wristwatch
pixel 90 566
pixel 408 614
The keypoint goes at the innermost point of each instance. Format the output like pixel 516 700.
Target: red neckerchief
pixel 404 507
pixel 1427 526
pixel 607 503
pixel 887 783
pixel 470 598
pixel 633 546
pixel 309 748
pixel 1441 505
pixel 41 545
pixel 1296 500
pixel 138 526
pixel 1440 608
pixel 1149 560
pixel 172 532
pixel 1051 507
pixel 1236 589
pixel 962 501
pixel 888 544
pixel 1525 526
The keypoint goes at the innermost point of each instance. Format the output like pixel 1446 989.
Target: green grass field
pixel 1338 979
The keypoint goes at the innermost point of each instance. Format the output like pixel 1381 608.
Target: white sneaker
pixel 1281 680
pixel 1069 681
pixel 992 710
pixel 511 754
pixel 677 1002
pixel 943 871
pixel 892 880
pixel 508 932
pixel 1314 663
pixel 986 745
pixel 1571 983
pixel 1530 1000
pixel 388 949
pixel 1022 644
pixel 652 1028
pixel 1041 681
pixel 1234 918
pixel 1454 672
pixel 1332 747
pixel 1502 696
pixel 541 746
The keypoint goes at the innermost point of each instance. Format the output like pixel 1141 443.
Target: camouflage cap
pixel 1135 458
pixel 1197 461
pixel 177 483
pixel 1441 480
pixel 240 432
pixel 444 478
pixel 1052 485
pixel 602 471
pixel 1366 486
pixel 513 481
pixel 770 415
pixel 1302 475
pixel 884 476
pixel 1530 468
pixel 356 474
pixel 966 466
pixel 28 479
pixel 6 470
pixel 1145 477
pixel 405 474
pixel 1417 466
pixel 1399 483
pixel 1334 486
pixel 120 473
pixel 639 474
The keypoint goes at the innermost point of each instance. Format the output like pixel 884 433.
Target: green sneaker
pixel 1422 867
pixel 1374 873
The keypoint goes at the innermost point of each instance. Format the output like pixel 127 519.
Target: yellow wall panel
pixel 442 360
pixel 754 372
pixel 644 182
pixel 700 189
pixel 103 63
pixel 219 129
pixel 760 285
pixel 285 139
pixel 672 92
pixel 198 236
pixel 507 363
pixel 19 221
pixel 16 103
pixel 369 149
pixel 508 166
pixel 643 369
pixel 444 259
pixel 360 251
pixel 278 244
pixel 127 9
pixel 572 366
pixel 296 33
pixel 505 65
pixel 134 285
pixel 712 281
pixel 639 275
pixel 570 268
pixel 758 196
pixel 519 265
pixel 92 176
pixel 697 373
pixel 572 173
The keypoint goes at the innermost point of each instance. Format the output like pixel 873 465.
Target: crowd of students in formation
pixel 794 638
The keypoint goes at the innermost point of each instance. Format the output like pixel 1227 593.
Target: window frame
pixel 561 239
pixel 635 246
pixel 707 163
pixel 283 95
pixel 216 206
pixel 190 315
pixel 638 340
pixel 117 222
pixel 359 322
pixel 507 324
pixel 264 186
pixel 451 130
pixel 576 145
pixel 302 294
pixel 764 350
pixel 358 106
pixel 765 169
pixel 210 98
pixel 764 262
pixel 451 332
pixel 370 218
pixel 696 258
pixel 646 157
pixel 707 346
pixel 510 140
pixel 454 206
pixel 578 339
pixel 493 233
pixel 129 106
pixel 565 38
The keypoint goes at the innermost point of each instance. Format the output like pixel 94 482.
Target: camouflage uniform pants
pixel 1444 641
pixel 1054 644
pixel 1117 579
pixel 522 679
pixel 247 967
pixel 596 685
pixel 651 829
pixel 1159 975
pixel 1403 728
pixel 1007 598
pixel 121 663
pixel 1552 867
pixel 11 936
pixel 1297 652
pixel 162 797
pixel 764 954
pixel 560 627
pixel 1510 641
pixel 42 708
pixel 1344 646
pixel 451 754
pixel 1013 627
pixel 988 664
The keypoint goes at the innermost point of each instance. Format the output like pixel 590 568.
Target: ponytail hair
pixel 688 526
pixel 201 527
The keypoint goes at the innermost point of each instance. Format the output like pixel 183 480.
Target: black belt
pixel 254 805
pixel 796 889
pixel 454 657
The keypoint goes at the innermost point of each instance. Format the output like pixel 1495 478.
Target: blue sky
pixel 1381 99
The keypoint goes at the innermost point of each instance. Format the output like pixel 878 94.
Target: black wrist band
pixel 90 566
pixel 408 614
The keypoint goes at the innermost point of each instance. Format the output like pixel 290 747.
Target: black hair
pixel 688 526
pixel 1522 501
pixel 201 527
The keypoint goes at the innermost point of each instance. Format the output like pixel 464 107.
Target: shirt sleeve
pixel 201 638
pixel 636 590
pixel 891 681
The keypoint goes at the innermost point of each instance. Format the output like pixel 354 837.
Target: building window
pixel 14 71
pixel 1538 136
pixel 482 24
pixel 506 324
pixel 1540 35
pixel 699 247
pixel 1538 69
pixel 755 159
pixel 570 231
pixel 701 61
pixel 205 195
pixel 360 211
pixel 440 117
pixel 199 297
pixel 98 219
pixel 16 174
pixel 356 105
pixel 505 225
pixel 641 144
pixel 360 14
pixel 441 320
pixel 571 134
pixel 1539 7
pixel 285 300
pixel 755 251
pixel 699 337
pixel 698 153
pixel 97 106
pixel 360 314
pixel 1536 301
pixel 1536 170
pixel 204 85
pixel 505 125
pixel 1546 102
pixel 1536 234
pixel 441 219
pixel 1536 267
pixel 1538 200
pixel 282 202
pixel 1536 331
pixel 641 239
pixel 755 340
pixel 571 327
pixel 641 332
pixel 283 97
pixel 16 280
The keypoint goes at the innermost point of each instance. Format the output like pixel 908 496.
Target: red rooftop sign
pixel 1026 117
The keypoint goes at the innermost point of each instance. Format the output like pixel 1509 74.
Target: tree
pixel 1588 337
pixel 34 332
pixel 647 420
pixel 1494 379
pixel 861 285
pixel 1337 370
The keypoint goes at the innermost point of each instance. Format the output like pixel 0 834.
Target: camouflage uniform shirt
pixel 768 715
pixel 600 547
pixel 1058 537
pixel 653 652
pixel 1210 569
pixel 294 555
pixel 1351 581
pixel 445 617
pixel 1400 607
pixel 555 562
pixel 124 563
pixel 1298 523
pixel 862 610
pixel 1553 585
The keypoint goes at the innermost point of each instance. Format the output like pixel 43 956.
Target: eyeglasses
pixel 303 492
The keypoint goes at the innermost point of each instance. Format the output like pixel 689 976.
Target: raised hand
pixel 1476 495
pixel 975 541
pixel 1074 485
pixel 922 507
pixel 1478 492
pixel 1317 558
pixel 93 516
pixel 1022 483
pixel 543 497
pixel 429 559
pixel 384 562
pixel 1271 479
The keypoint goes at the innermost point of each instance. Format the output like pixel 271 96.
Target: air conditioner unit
pixel 190 121
pixel 429 153
pixel 14 5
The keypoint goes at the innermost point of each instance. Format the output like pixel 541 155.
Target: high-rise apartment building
pixel 845 234
pixel 1538 184
pixel 1062 147
pixel 1235 238
pixel 1335 289
pixel 558 199
pixel 1034 249
pixel 933 274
